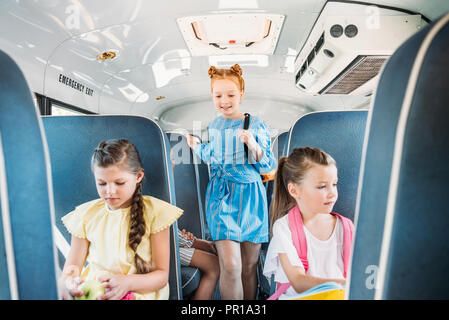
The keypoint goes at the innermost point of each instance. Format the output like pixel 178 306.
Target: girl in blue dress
pixel 236 203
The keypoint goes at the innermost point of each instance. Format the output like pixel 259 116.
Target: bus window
pixel 57 110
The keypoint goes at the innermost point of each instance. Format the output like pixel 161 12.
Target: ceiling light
pixel 107 55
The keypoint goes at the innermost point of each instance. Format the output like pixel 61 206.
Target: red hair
pixel 234 74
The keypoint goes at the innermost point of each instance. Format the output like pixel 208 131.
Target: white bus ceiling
pixel 154 74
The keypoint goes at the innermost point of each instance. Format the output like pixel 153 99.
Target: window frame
pixel 46 104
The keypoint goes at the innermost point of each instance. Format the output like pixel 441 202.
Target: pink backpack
pixel 299 241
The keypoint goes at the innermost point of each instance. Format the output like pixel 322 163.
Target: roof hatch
pixel 231 33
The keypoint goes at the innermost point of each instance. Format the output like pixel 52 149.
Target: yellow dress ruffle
pixel 107 232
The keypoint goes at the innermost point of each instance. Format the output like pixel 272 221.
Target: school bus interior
pixel 363 80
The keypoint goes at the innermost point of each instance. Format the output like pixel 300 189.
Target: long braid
pixel 137 229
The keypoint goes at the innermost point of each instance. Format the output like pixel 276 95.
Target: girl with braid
pixel 236 201
pixel 124 235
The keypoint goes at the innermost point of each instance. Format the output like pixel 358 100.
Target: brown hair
pixel 234 74
pixel 123 152
pixel 292 169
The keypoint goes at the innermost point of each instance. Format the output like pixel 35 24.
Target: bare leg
pixel 230 269
pixel 208 264
pixel 250 256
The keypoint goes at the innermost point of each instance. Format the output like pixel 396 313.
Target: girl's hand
pixel 70 288
pixel 188 235
pixel 247 137
pixel 341 281
pixel 116 286
pixel 191 140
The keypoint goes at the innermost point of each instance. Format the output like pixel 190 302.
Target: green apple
pixel 92 289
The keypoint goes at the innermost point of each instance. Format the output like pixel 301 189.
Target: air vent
pixel 358 72
pixel 345 51
pixel 310 57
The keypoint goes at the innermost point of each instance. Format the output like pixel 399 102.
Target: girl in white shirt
pixel 306 179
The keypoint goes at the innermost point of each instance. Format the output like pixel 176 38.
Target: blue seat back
pixel 187 186
pixel 279 148
pixel 72 140
pixel 375 177
pixel 402 219
pixel 28 255
pixel 202 171
pixel 340 134
pixel 186 181
pixel 280 144
pixel 282 140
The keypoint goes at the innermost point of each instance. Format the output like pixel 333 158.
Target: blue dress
pixel 236 200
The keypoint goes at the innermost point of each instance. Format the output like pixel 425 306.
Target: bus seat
pixel 279 144
pixel 202 170
pixel 340 134
pixel 27 252
pixel 71 141
pixel 187 197
pixel 401 248
pixel 278 148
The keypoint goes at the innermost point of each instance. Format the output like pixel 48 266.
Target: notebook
pixel 325 291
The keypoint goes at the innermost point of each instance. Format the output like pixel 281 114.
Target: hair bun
pixel 212 71
pixel 236 69
pixel 101 146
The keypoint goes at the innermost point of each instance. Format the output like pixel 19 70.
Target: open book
pixel 325 291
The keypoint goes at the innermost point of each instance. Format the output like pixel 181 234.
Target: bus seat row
pixel 393 183
pixel 71 141
pixel 28 263
pixel 340 134
pixel 401 249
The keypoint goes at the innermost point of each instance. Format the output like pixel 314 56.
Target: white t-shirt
pixel 325 257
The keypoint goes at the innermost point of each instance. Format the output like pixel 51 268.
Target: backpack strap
pixel 348 232
pixel 245 127
pixel 299 241
pixel 298 236
pixel 264 176
pixel 281 288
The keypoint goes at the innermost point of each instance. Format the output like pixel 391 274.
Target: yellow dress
pixel 107 231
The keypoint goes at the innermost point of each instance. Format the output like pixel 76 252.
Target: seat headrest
pixel 340 134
